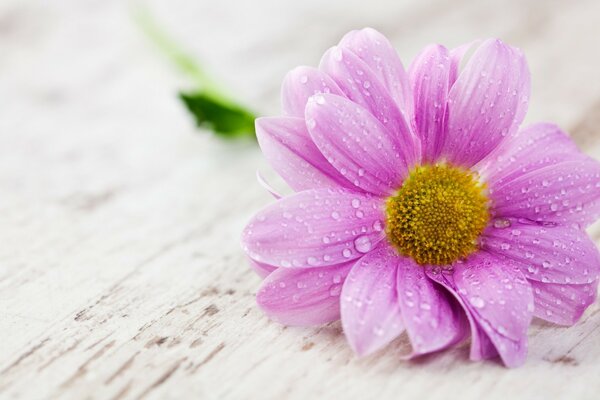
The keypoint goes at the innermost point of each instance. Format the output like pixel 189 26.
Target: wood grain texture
pixel 121 276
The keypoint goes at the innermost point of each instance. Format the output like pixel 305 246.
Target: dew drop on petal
pixel 362 244
pixel 502 223
pixel 477 302
pixel 335 290
pixel 377 227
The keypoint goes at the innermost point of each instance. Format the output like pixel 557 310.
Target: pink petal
pixel 429 77
pixel 486 103
pixel 545 253
pixel 301 83
pixel 433 320
pixel 521 153
pixel 378 53
pixel 357 144
pixel 267 186
pixel 286 144
pixel 562 304
pixel 262 270
pixel 481 346
pixel 303 296
pixel 369 303
pixel 500 302
pixel 361 85
pixel 457 56
pixel 315 228
pixel 566 192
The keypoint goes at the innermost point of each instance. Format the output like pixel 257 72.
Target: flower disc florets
pixel 437 215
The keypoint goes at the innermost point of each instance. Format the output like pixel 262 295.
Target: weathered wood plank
pixel 120 270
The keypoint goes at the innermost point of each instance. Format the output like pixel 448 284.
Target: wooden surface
pixel 121 274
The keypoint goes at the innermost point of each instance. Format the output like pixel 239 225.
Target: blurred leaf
pixel 214 113
pixel 208 103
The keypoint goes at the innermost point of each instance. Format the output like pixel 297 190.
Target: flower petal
pixel 356 143
pixel 545 253
pixel 567 192
pixel 562 304
pixel 500 301
pixel 361 85
pixel 433 320
pixel 286 144
pixel 429 77
pixel 315 228
pixel 521 153
pixel 457 59
pixel 369 303
pixel 486 103
pixel 379 54
pixel 301 83
pixel 262 270
pixel 303 296
pixel 481 346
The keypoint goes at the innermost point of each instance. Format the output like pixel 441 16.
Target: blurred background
pixel 116 210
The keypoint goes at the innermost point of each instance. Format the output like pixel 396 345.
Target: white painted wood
pixel 120 270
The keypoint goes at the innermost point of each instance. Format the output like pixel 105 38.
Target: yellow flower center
pixel 437 215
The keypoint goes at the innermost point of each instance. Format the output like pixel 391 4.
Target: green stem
pixel 178 57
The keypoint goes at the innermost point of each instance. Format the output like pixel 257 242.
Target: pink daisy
pixel 421 205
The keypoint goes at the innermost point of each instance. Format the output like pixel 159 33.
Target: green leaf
pixel 211 107
pixel 225 118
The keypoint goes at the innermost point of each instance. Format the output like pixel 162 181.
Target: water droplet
pixel 335 290
pixel 377 227
pixel 477 302
pixel 502 223
pixel 335 215
pixel 303 79
pixel 378 330
pixel 311 123
pixel 362 244
pixel 355 203
pixel 312 261
pixel 319 99
pixel 347 253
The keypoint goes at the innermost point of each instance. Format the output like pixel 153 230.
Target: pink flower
pixel 421 205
